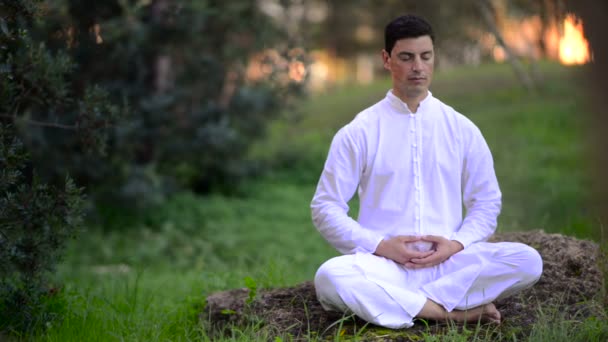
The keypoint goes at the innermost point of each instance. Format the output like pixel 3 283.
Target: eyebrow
pixel 405 53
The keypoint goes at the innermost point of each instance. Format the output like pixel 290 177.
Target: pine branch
pixel 4 234
pixel 40 123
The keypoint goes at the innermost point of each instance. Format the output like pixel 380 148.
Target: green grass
pixel 144 276
pixel 148 281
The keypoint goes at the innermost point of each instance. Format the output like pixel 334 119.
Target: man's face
pixel 411 65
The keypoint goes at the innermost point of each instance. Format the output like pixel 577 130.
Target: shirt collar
pixel 401 107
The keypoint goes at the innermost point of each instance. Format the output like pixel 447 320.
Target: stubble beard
pixel 415 92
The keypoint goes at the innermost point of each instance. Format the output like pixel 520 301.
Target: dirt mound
pixel 570 285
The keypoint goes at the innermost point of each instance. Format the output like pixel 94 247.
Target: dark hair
pixel 407 26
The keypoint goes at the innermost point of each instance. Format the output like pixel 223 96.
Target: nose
pixel 416 64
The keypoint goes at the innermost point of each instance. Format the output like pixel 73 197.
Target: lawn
pixel 144 276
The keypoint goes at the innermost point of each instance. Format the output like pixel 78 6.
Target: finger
pixel 412 265
pixel 431 259
pixel 428 262
pixel 424 261
pixel 409 238
pixel 419 255
pixel 428 253
pixel 433 238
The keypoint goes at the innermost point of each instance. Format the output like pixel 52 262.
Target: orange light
pixel 97 31
pixel 297 71
pixel 573 47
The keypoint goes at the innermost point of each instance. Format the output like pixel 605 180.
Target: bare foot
pixel 490 314
pixel 484 313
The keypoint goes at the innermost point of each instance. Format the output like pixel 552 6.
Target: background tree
pixel 595 17
pixel 201 80
pixel 37 217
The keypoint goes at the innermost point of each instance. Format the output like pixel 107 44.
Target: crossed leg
pixel 383 292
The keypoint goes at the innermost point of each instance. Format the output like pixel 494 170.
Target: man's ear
pixel 386 59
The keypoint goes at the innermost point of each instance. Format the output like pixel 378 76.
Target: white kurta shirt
pixel 413 172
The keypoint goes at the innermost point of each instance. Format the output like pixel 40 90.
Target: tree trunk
pixel 595 20
pixel 163 71
pixel 488 14
pixel 545 12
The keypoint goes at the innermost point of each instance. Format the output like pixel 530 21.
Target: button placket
pixel 416 170
pixel 418 145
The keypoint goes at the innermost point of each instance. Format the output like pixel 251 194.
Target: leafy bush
pixel 37 216
pixel 35 222
pixel 201 80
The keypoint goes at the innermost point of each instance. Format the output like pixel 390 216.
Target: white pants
pixel 386 293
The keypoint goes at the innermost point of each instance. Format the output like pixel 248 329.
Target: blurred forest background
pixel 155 151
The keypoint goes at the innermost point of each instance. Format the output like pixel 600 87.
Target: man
pixel 415 161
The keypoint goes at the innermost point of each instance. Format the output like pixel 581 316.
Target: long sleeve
pixel 481 193
pixel 413 171
pixel 337 185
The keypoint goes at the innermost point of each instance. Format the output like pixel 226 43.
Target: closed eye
pixel 405 56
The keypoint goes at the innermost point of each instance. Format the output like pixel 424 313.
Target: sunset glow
pixel 573 47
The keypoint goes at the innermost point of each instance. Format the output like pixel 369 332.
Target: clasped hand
pixel 396 249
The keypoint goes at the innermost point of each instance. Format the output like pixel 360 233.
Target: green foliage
pixel 554 326
pixel 252 286
pixel 37 95
pixel 36 220
pixel 213 234
pixel 38 217
pixel 187 71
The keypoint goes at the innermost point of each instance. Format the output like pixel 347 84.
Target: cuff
pixel 368 240
pixel 465 239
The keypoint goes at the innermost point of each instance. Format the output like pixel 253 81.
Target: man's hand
pixel 444 249
pixel 395 249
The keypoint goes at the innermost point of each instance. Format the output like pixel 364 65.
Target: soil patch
pixel 570 287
